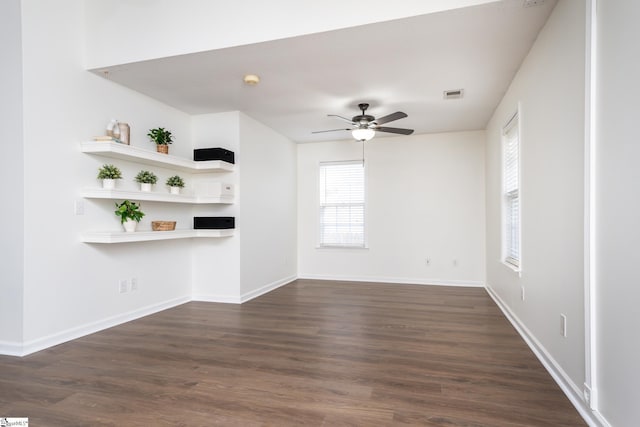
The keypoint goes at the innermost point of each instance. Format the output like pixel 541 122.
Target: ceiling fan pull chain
pixel 363 152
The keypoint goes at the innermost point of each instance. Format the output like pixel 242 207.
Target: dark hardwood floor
pixel 310 353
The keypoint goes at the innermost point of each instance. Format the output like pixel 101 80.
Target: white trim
pixel 266 288
pixel 343 247
pixel 590 312
pixel 511 267
pixel 514 120
pixel 509 124
pixel 90 328
pixel 10 348
pixel 570 389
pixel 223 299
pixel 248 296
pixel 395 280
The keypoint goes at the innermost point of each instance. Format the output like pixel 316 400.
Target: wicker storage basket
pixel 163 225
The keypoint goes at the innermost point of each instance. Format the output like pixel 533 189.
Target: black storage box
pixel 213 222
pixel 203 154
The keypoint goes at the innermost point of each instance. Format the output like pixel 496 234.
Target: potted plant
pixel 175 183
pixel 130 215
pixel 146 180
pixel 162 138
pixel 108 174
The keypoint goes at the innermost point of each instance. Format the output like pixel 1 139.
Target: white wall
pixel 71 288
pixel 122 31
pixel 550 89
pixel 11 174
pixel 262 253
pixel 425 198
pixel 617 211
pixel 216 262
pixel 268 208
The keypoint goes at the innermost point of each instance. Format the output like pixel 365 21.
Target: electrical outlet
pixel 563 325
pixel 123 286
pixel 134 284
pixel 522 293
pixel 427 261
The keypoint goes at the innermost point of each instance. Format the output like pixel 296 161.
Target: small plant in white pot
pixel 108 174
pixel 175 183
pixel 146 180
pixel 130 215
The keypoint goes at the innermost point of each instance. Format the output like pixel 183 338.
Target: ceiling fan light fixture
pixel 363 134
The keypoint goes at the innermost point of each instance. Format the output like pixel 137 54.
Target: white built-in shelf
pixel 146 236
pixel 152 196
pixel 129 152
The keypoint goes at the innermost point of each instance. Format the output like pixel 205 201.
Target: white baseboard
pixel 266 288
pixel 9 348
pixel 248 296
pixel 224 299
pixel 90 328
pixel 399 280
pixel 570 389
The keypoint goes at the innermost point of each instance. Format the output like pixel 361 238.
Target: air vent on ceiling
pixel 453 94
pixel 531 3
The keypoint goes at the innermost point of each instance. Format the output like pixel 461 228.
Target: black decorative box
pixel 213 222
pixel 204 154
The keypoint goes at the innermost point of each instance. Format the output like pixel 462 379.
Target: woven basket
pixel 162 149
pixel 163 225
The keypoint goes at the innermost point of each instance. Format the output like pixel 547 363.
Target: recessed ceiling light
pixel 251 79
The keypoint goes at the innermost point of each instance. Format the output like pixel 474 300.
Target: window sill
pixel 350 248
pixel 512 267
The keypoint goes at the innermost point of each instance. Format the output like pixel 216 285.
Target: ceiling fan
pixel 365 126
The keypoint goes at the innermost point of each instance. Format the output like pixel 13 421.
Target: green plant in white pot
pixel 175 183
pixel 146 180
pixel 130 215
pixel 108 174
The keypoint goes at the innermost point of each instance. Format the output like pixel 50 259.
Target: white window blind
pixel 342 204
pixel 511 191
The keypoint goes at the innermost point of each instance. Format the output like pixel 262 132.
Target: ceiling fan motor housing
pixel 363 119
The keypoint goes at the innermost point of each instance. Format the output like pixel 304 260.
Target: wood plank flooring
pixel 311 353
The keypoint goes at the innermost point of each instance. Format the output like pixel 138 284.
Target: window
pixel 342 204
pixel 511 191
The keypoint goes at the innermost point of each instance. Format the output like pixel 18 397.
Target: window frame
pixel 510 195
pixel 321 244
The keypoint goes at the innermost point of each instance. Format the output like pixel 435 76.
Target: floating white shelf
pixel 131 153
pixel 101 193
pixel 145 236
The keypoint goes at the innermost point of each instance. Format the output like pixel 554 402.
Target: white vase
pixel 145 186
pixel 174 190
pixel 108 184
pixel 130 225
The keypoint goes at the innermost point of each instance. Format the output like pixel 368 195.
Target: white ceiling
pixel 404 65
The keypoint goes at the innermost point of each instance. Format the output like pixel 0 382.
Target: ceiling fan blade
pixel 394 130
pixel 331 130
pixel 391 117
pixel 342 118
